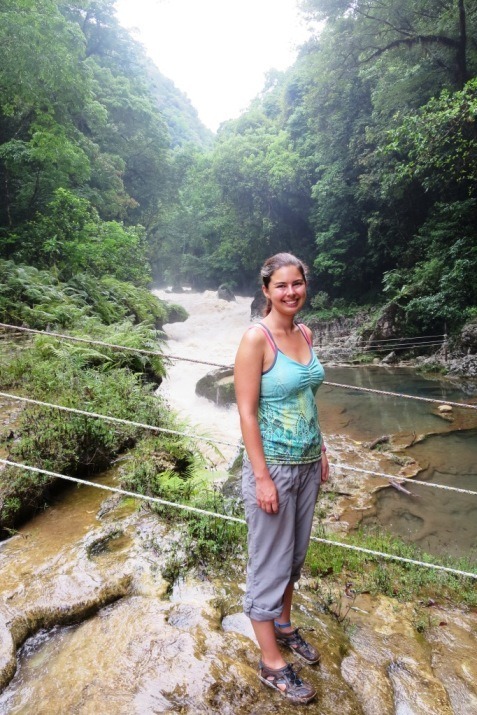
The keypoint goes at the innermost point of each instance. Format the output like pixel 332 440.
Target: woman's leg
pixel 285 616
pixel 308 489
pixel 267 642
pixel 270 546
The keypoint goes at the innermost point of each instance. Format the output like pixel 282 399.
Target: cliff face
pixel 347 339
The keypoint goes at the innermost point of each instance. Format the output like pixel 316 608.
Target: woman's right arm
pixel 247 377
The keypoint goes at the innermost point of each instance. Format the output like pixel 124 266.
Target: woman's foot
pixel 295 641
pixel 287 682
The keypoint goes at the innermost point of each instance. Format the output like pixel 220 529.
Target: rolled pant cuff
pixel 259 614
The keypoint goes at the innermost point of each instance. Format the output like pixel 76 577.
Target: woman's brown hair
pixel 272 264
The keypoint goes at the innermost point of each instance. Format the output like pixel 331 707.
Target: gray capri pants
pixel 277 543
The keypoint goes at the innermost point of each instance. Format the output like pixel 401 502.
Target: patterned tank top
pixel 287 412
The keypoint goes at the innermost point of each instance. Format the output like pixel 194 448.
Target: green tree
pixel 70 237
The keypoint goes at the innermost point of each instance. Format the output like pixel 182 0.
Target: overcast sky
pixel 216 51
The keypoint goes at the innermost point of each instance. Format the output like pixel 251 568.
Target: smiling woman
pixel 216 53
pixel 276 377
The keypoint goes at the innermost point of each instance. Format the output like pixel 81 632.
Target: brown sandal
pixel 287 682
pixel 295 641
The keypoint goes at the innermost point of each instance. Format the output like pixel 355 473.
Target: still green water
pixel 439 521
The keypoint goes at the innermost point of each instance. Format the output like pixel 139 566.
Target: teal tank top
pixel 287 412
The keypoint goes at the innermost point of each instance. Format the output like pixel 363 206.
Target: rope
pixel 109 418
pixel 401 394
pixel 398 478
pixel 124 492
pixel 119 420
pixel 398 346
pixel 96 415
pixel 101 343
pixel 226 517
pixel 394 557
pixel 415 337
pixel 220 365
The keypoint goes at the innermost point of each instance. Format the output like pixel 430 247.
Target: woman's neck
pixel 280 323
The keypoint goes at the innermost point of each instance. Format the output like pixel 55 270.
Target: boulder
pixel 445 408
pixel 224 293
pixel 217 386
pixel 388 325
pixel 258 305
pixel 468 338
pixel 390 359
pixel 466 366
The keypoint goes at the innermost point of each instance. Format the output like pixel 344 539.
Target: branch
pixel 412 41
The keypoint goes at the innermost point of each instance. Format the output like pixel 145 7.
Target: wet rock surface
pixel 84 627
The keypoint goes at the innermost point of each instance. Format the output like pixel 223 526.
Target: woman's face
pixel 286 290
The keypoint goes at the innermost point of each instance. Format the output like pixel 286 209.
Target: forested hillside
pixel 87 131
pixel 361 158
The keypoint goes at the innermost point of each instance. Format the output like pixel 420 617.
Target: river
pixel 438 521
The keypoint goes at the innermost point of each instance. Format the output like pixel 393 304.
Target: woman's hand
pixel 267 495
pixel 325 467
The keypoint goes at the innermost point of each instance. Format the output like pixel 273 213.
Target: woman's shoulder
pixel 255 337
pixel 255 333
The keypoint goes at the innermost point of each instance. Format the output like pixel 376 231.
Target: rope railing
pixel 397 478
pixel 102 343
pixel 415 337
pixel 117 420
pixel 392 478
pixel 166 356
pixel 199 438
pixel 398 346
pixel 237 520
pixel 403 395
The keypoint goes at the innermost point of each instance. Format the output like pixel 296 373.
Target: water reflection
pixel 439 521
pixel 366 416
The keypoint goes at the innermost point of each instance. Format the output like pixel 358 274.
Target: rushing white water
pixel 211 333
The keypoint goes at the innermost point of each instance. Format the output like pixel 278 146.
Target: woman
pixel 276 377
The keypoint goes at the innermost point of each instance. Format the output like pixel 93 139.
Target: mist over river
pixel 440 522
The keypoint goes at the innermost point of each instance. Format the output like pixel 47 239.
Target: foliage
pixel 94 378
pixel 70 237
pixel 360 159
pixel 166 470
pixel 403 581
pixel 38 299
pixel 65 442
pixel 83 138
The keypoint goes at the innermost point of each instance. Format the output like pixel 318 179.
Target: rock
pixel 445 408
pixel 390 359
pixel 217 386
pixel 258 305
pixel 389 324
pixel 468 337
pixel 224 293
pixel 465 367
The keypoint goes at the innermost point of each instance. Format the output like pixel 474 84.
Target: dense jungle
pixel 361 158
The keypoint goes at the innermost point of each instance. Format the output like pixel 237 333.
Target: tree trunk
pixel 461 57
